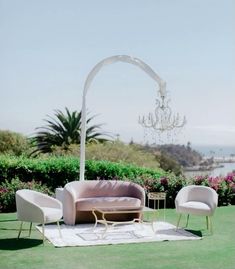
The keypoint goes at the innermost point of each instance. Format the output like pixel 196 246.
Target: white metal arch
pixel 110 60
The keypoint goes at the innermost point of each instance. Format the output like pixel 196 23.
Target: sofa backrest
pixel 98 188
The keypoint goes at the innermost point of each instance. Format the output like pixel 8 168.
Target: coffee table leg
pixel 102 221
pixel 152 216
pixel 96 219
pixel 105 223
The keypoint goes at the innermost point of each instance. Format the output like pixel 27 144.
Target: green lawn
pixel 216 251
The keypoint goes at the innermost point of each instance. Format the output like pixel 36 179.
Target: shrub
pixel 9 188
pixel 13 143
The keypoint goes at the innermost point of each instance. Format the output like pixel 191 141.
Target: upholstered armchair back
pixel 197 193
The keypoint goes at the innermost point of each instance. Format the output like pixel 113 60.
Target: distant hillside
pixel 183 155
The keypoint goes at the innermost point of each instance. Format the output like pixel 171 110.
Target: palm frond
pixel 65 129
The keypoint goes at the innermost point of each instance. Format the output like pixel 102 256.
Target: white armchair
pixel 33 206
pixel 196 200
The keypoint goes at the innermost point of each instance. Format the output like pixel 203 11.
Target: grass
pixel 213 251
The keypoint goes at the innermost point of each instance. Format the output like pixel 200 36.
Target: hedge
pixel 53 172
pixel 57 171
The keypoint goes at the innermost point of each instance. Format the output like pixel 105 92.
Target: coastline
pixel 220 170
pixel 218 160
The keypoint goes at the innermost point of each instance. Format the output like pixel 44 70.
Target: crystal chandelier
pixel 162 119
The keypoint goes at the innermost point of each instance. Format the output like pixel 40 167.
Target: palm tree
pixel 63 131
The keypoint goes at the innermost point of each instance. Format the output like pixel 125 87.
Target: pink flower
pixel 214 182
pixel 3 190
pixel 164 181
pixel 229 178
pixel 199 180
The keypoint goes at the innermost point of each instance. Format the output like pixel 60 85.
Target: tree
pixel 167 163
pixel 63 131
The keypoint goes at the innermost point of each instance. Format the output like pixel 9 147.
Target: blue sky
pixel 48 48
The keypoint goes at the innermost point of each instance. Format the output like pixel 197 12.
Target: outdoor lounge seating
pixel 80 197
pixel 196 200
pixel 33 206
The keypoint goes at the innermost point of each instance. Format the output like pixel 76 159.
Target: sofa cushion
pixel 86 204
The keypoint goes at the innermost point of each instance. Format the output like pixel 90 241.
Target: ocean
pixel 215 150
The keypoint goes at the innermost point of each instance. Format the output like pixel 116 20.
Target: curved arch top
pixel 110 60
pixel 126 59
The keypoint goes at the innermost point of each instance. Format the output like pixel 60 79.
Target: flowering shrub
pixel 171 184
pixel 224 186
pixel 9 188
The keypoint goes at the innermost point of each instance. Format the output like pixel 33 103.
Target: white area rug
pixel 86 235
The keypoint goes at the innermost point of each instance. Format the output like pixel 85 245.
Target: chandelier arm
pixel 156 111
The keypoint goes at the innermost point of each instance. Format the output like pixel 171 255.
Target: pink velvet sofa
pixel 81 196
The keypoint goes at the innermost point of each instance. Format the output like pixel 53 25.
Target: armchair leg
pixel 207 222
pixel 43 233
pixel 187 220
pixel 30 228
pixel 21 224
pixel 178 222
pixel 210 225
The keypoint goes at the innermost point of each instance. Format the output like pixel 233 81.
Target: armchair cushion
pixel 195 208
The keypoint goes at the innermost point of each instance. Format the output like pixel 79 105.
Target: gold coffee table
pixel 101 213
